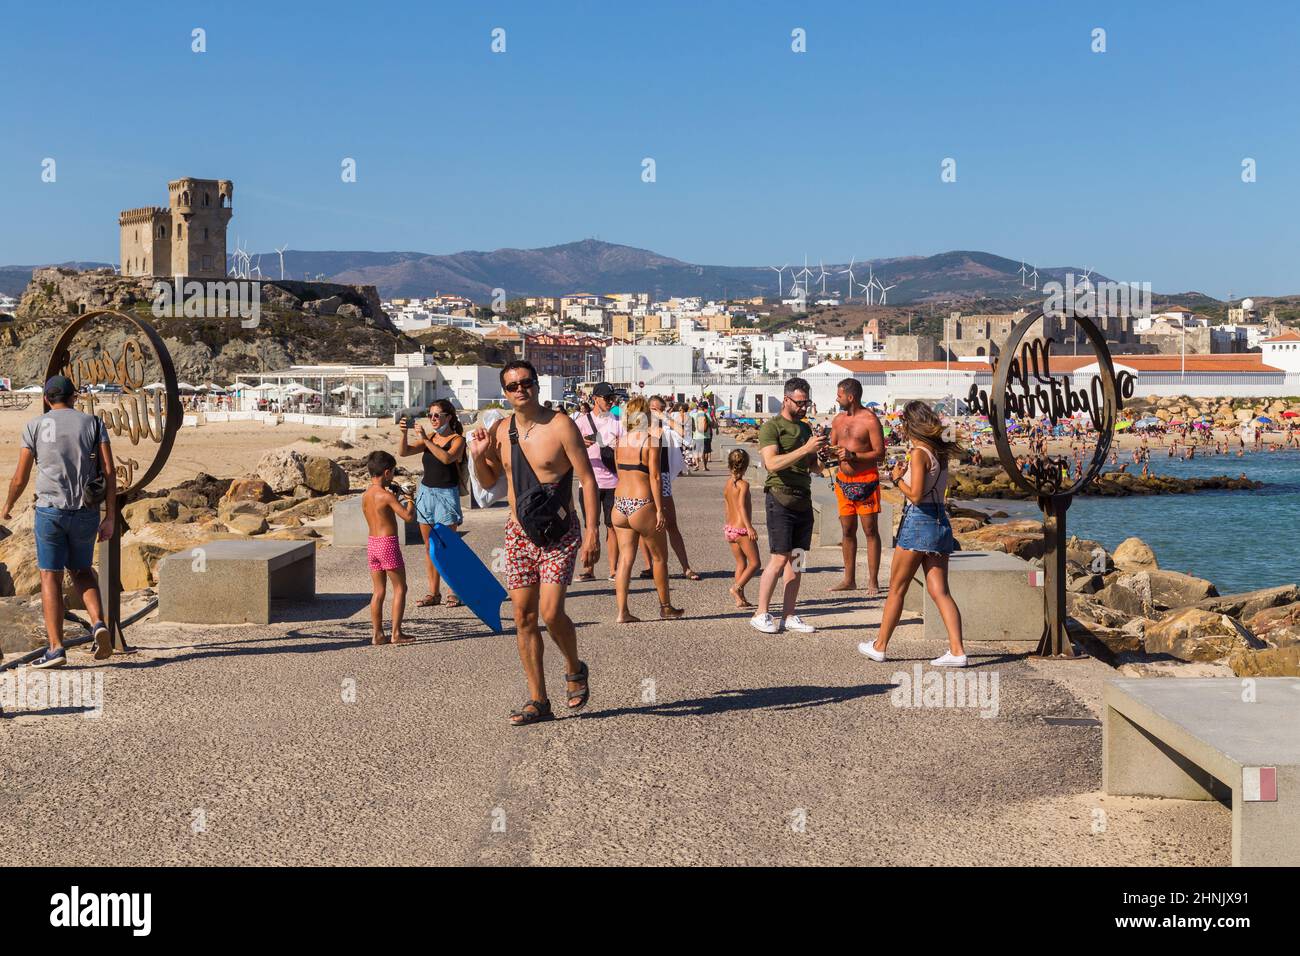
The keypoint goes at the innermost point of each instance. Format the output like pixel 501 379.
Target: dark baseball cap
pixel 602 390
pixel 60 387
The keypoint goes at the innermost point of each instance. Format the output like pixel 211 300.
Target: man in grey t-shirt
pixel 69 450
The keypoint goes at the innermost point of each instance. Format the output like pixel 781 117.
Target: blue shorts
pixel 66 539
pixel 925 528
pixel 437 505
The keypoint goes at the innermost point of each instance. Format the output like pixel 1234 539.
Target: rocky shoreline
pixel 984 481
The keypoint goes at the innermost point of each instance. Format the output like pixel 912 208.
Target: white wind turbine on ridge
pixel 849 273
pixel 779 287
pixel 281 254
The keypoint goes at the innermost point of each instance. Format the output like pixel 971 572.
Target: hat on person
pixel 60 387
pixel 602 390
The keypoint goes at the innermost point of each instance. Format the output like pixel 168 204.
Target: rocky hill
pixel 300 323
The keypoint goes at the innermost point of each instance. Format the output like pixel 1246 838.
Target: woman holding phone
pixel 437 500
pixel 924 536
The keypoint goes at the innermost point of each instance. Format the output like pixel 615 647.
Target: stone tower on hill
pixel 186 238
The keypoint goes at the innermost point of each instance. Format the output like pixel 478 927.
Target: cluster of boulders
pixel 1224 412
pixel 992 481
pixel 1124 608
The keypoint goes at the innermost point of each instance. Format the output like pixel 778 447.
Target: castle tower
pixel 146 241
pixel 200 211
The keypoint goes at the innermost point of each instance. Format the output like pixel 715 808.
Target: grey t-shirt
pixel 66 444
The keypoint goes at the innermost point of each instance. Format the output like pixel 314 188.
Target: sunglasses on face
pixel 804 404
pixel 522 383
pixel 435 415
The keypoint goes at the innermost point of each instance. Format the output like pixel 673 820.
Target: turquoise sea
pixel 1240 540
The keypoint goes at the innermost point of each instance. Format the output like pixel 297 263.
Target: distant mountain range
pixel 602 267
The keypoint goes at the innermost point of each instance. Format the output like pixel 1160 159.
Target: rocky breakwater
pixel 984 481
pixel 1222 412
pixel 1123 608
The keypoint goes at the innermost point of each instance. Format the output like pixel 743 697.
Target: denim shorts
pixel 437 505
pixel 925 528
pixel 66 539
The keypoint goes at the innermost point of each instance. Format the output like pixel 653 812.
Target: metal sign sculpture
pixel 131 413
pixel 1024 387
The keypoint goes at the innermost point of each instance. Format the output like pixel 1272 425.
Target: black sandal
pixel 541 710
pixel 582 695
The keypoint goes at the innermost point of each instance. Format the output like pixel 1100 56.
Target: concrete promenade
pixel 705 742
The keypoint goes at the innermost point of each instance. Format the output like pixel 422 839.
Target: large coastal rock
pixel 1134 554
pixel 323 476
pixel 283 470
pixel 1269 662
pixel 1021 538
pixel 1278 626
pixel 1247 604
pixel 1191 634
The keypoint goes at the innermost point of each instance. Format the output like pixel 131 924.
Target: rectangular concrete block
pixel 827 530
pixel 350 530
pixel 1214 738
pixel 234 582
pixel 992 590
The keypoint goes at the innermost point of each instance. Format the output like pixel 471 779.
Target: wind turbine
pixel 804 272
pixel 849 272
pixel 884 289
pixel 257 268
pixel 1033 277
pixel 281 252
pixel 824 274
pixel 1023 273
pixel 779 293
pixel 872 282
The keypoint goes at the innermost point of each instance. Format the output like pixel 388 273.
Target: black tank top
pixel 437 474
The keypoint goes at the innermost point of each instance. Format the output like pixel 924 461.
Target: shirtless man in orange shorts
pixel 857 436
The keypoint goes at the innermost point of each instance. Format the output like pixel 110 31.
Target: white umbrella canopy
pixel 186 387
pixel 154 386
pixel 349 389
pixel 215 389
pixel 32 390
pixel 297 389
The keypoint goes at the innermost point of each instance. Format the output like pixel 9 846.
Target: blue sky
pixel 1128 161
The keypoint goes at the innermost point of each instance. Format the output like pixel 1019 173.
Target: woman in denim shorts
pixel 924 535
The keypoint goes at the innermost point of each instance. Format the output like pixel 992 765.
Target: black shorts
pixel 788 529
pixel 708 445
pixel 605 507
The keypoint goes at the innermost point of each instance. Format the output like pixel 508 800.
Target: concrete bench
pixel 351 530
pixel 1202 739
pixel 993 590
pixel 233 582
pixel 827 531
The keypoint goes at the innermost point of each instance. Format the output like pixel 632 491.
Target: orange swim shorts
pixel 855 502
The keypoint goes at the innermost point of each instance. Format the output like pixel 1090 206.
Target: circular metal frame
pixel 1103 418
pixel 173 414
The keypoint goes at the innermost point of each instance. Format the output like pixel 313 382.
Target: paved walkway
pixel 705 743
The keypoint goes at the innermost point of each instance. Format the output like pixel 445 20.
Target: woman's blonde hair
pixel 636 413
pixel 922 424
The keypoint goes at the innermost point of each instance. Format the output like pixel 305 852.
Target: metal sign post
pixel 1023 386
pixel 127 415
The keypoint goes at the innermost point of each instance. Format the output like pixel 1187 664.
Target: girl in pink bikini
pixel 739 527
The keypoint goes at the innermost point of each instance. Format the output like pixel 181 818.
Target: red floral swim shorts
pixel 527 564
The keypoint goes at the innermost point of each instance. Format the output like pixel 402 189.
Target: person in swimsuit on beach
pixel 739 527
pixel 639 509
pixel 383 550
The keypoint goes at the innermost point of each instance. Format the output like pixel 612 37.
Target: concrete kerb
pixel 993 590
pixel 1216 738
pixel 234 582
pixel 351 530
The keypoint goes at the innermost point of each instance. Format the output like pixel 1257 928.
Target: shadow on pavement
pixel 758 698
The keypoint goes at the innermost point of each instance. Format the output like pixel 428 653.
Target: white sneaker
pixel 765 623
pixel 795 623
pixel 869 648
pixel 949 660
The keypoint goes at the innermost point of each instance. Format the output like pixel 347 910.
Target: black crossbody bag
pixel 606 453
pixel 545 512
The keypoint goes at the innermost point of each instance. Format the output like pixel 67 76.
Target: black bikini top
pixel 637 467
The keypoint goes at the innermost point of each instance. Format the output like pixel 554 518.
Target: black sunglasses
pixel 522 383
pixel 804 404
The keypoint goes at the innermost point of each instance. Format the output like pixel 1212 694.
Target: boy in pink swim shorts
pixel 383 551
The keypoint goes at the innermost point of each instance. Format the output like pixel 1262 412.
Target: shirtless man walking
pixel 540 451
pixel 860 441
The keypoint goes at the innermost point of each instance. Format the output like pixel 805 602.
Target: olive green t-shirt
pixel 787 436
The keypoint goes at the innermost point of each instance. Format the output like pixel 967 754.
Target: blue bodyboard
pixel 467 576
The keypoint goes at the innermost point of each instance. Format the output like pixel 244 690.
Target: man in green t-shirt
pixel 789 450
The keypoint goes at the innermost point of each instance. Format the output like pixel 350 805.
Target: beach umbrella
pixel 349 389
pixel 215 388
pixel 1265 419
pixel 1123 424
pixel 154 386
pixel 32 390
pixel 1290 414
pixel 186 387
pixel 298 389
